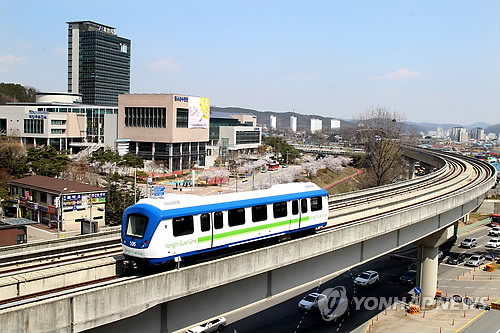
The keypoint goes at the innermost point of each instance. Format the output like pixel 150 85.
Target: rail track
pixel 457 174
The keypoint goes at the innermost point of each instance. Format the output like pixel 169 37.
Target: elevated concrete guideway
pixel 172 300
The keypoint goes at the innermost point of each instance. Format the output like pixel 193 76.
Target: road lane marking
pixel 470 321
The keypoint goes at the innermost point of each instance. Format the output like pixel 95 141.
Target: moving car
pixel 494 242
pixel 456 258
pixel 311 301
pixel 215 325
pixel 368 278
pixel 476 260
pixel 495 231
pixel 469 242
pixel 408 277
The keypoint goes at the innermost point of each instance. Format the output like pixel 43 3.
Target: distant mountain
pixel 425 127
pixel 492 129
pixel 304 121
pixel 283 118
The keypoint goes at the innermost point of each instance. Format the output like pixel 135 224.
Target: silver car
pixel 476 260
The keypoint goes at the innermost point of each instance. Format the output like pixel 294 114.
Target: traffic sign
pixel 468 301
pixel 457 298
pixel 159 191
pixel 417 290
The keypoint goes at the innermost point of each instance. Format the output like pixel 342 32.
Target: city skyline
pixel 434 62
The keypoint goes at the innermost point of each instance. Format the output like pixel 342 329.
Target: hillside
pixel 283 118
pixel 11 92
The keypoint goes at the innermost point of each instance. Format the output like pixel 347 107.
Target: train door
pixel 303 216
pixel 295 215
pixel 205 239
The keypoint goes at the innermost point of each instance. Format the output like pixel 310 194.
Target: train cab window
pixel 218 220
pixel 236 217
pixel 279 209
pixel 316 203
pixel 136 225
pixel 259 213
pixel 182 225
pixel 205 222
pixel 303 205
pixel 295 207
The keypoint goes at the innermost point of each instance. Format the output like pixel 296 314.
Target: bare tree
pixel 382 131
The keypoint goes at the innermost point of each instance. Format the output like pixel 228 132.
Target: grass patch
pixel 326 177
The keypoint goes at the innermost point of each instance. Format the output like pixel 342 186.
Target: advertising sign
pixel 199 112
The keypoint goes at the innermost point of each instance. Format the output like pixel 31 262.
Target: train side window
pixel 205 222
pixel 316 203
pixel 295 207
pixel 259 213
pixel 218 220
pixel 183 225
pixel 236 217
pixel 279 209
pixel 303 204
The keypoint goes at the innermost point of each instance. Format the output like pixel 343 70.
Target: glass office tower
pixel 98 63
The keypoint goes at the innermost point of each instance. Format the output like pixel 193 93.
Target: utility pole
pixel 61 221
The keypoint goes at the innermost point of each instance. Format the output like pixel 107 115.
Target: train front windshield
pixel 136 225
pixel 495 219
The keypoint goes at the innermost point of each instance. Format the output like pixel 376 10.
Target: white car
pixel 311 301
pixel 494 242
pixel 495 231
pixel 215 325
pixel 366 279
pixel 476 260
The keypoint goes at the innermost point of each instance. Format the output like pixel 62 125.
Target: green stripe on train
pixel 251 229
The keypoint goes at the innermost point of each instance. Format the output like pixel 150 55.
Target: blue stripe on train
pixel 159 261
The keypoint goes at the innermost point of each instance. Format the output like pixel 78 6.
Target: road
pixel 286 317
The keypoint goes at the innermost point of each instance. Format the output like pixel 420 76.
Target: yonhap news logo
pixel 335 304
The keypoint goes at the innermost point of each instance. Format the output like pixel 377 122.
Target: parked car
pixel 311 301
pixel 494 242
pixel 440 254
pixel 469 242
pixel 456 258
pixel 476 260
pixel 368 278
pixel 215 325
pixel 495 231
pixel 409 277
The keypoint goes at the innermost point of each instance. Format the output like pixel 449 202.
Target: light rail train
pixel 159 230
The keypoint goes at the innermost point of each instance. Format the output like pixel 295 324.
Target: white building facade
pixel 272 122
pixel 293 123
pixel 316 124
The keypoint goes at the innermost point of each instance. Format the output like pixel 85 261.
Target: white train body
pixel 158 230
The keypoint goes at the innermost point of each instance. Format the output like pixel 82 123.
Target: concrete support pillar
pixel 427 270
pixel 427 266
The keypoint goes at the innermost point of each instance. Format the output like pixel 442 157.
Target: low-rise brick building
pixel 49 200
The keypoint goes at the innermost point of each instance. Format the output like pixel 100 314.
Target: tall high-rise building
pixel 272 122
pixel 316 125
pixel 293 123
pixel 98 63
pixel 477 133
pixel 334 123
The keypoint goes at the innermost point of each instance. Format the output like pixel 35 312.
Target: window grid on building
pixel 246 137
pixel 33 126
pixel 182 118
pixel 145 117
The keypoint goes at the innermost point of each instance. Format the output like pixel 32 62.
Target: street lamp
pixel 61 208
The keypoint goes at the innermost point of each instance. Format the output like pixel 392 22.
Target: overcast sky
pixel 435 61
